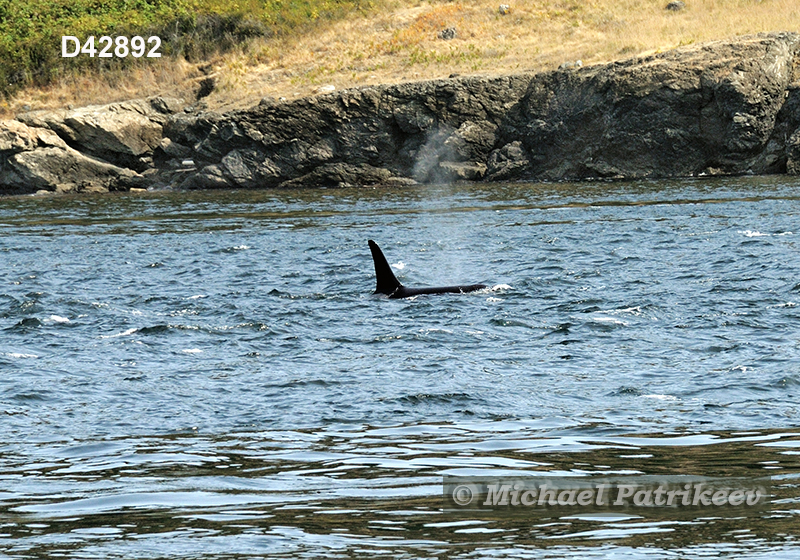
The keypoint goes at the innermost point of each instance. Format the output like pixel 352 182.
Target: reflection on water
pixel 377 490
pixel 204 374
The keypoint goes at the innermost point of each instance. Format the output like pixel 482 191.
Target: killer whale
pixel 387 284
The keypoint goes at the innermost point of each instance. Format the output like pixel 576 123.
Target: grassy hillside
pixel 291 48
pixel 31 30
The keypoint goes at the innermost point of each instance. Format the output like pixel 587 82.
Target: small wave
pixel 609 321
pixel 31 396
pixel 400 265
pixel 635 310
pixel 500 287
pixel 563 328
pixel 787 381
pixel 192 351
pixel 234 249
pixel 510 323
pixel 58 319
pixel 626 391
pixel 441 398
pixel 782 305
pixel 750 233
pixel 256 326
pixel 294 383
pixel 123 333
pixel 492 289
pixel 434 330
pixel 660 397
pixel 166 327
pixel 21 356
pixel 26 323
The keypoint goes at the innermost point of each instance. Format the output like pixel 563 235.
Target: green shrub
pixel 31 30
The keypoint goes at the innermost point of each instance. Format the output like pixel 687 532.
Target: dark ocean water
pixel 207 374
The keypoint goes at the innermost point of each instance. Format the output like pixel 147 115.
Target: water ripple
pixel 208 374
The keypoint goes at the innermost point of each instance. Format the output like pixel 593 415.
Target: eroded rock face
pixel 61 169
pixel 680 113
pixel 728 107
pixel 18 137
pixel 119 133
pixel 784 143
pixel 94 148
pixel 712 108
pixel 420 132
pixel 37 159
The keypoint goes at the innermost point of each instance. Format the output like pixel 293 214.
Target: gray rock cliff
pixel 727 107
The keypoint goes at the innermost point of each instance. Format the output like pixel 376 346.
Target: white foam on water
pixel 123 333
pixel 611 320
pixel 750 233
pixel 637 310
pixel 20 355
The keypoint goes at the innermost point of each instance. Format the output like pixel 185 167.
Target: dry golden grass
pixel 168 77
pixel 398 42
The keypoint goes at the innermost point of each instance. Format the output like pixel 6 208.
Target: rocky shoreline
pixel 727 107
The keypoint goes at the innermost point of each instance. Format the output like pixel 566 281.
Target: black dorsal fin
pixel 387 283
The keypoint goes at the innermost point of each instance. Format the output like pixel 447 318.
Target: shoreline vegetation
pixel 234 53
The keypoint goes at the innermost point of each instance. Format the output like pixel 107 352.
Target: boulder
pixel 119 132
pixel 344 175
pixel 48 168
pixel 18 137
pixel 36 159
pixel 508 162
